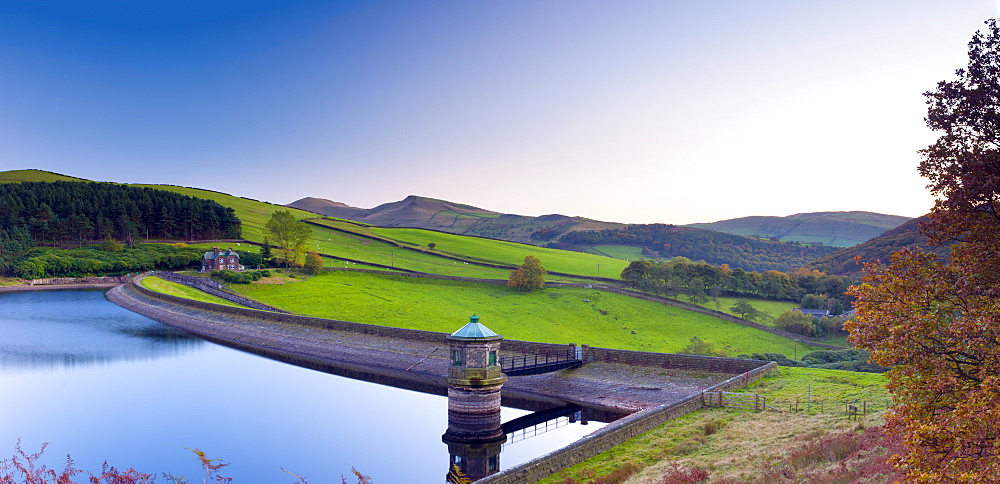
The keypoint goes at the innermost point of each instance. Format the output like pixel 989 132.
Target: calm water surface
pixel 102 383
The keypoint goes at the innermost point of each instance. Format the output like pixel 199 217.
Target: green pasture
pixel 555 315
pixel 509 253
pixel 791 383
pixel 816 239
pixel 254 214
pixel 180 290
pixel 417 256
pixel 771 308
pixel 624 252
pixel 16 176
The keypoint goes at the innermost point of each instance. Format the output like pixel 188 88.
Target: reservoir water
pixel 101 383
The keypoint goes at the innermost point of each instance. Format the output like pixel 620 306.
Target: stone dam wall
pixel 602 440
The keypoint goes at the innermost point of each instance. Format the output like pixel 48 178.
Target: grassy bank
pixel 180 290
pixel 555 315
pixel 747 446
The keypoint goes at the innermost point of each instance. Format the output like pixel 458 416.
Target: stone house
pixel 216 259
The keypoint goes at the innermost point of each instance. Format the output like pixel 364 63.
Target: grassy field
pixel 555 315
pixel 254 214
pixel 16 176
pixel 510 253
pixel 624 252
pixel 486 250
pixel 771 308
pixel 180 290
pixel 742 445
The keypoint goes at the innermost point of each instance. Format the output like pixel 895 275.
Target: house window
pixel 493 358
pixel 456 358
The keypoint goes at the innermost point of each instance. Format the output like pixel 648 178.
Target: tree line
pixel 107 258
pixel 665 241
pixel 701 281
pixel 80 212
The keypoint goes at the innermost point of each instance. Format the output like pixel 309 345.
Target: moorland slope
pixel 839 229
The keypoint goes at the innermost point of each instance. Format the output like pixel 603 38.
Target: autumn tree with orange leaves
pixel 938 322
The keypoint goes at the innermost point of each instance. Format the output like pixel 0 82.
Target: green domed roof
pixel 475 330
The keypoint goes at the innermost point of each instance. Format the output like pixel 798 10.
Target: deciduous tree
pixel 289 234
pixel 746 310
pixel 530 276
pixel 797 322
pixel 938 322
pixel 314 263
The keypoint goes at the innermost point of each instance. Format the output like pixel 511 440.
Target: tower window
pixel 456 358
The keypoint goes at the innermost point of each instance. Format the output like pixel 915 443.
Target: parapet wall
pixel 78 280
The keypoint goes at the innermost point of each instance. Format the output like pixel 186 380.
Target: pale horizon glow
pixel 642 112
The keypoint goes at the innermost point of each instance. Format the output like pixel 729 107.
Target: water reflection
pixel 51 329
pixel 478 457
pixel 99 382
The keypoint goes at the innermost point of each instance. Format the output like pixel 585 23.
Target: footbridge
pixel 536 364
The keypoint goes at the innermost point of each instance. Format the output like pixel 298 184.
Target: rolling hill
pixel 559 231
pixel 430 213
pixel 617 240
pixel 838 229
pixel 881 248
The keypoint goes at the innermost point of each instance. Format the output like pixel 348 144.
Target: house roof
pixel 475 330
pixel 222 253
pixel 814 312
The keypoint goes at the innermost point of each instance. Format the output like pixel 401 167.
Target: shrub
pixel 704 348
pixel 797 322
pixel 111 245
pixel 237 277
pixel 314 263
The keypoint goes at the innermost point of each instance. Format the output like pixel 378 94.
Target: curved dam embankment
pixel 646 388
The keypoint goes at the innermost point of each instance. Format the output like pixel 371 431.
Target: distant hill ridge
pixel 658 240
pixel 456 218
pixel 838 229
pixel 729 244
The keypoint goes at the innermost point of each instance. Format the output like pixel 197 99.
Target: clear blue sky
pixel 633 111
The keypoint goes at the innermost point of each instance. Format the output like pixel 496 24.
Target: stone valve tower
pixel 474 436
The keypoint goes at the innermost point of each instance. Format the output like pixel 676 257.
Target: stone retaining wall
pixel 78 280
pixel 615 434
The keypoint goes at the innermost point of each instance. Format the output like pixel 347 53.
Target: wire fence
pixel 852 409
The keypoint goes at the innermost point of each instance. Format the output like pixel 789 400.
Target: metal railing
pixel 523 364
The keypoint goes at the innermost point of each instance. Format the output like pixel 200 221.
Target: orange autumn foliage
pixel 938 322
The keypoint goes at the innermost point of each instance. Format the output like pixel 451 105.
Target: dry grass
pixel 746 447
pixel 276 280
pixel 734 446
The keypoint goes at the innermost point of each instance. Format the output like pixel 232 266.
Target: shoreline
pixel 416 362
pixel 60 287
